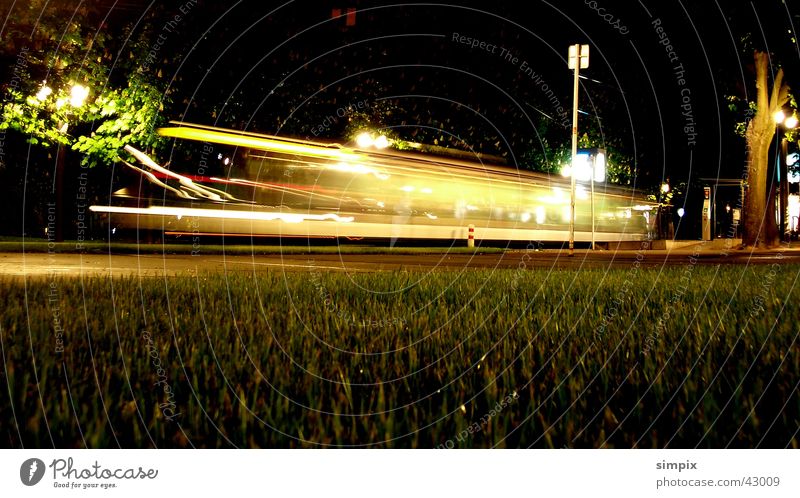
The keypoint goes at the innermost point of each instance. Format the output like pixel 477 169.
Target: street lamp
pixel 366 139
pixel 578 58
pixel 78 94
pixel 783 123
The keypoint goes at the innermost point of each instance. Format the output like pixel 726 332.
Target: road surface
pixel 43 264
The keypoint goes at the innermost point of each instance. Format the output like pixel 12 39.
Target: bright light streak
pixel 258 143
pixel 541 214
pixel 222 214
pixel 525 217
pixel 184 181
pixel 794 210
pixel 407 188
pixel 360 169
pixel 426 191
pixel 600 167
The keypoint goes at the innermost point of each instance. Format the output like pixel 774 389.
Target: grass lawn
pixel 682 357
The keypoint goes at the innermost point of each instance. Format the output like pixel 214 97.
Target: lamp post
pixel 578 59
pixel 77 98
pixel 589 166
pixel 783 123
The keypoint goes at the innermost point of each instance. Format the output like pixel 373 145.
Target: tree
pixel 69 96
pixel 759 220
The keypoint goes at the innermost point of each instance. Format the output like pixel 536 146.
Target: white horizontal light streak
pixel 222 214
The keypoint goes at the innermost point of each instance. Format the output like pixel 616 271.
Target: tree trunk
pixel 759 217
pixel 755 201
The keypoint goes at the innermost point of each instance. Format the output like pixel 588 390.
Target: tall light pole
pixel 77 98
pixel 578 59
pixel 783 123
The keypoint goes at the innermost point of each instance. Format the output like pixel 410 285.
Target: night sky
pixel 484 77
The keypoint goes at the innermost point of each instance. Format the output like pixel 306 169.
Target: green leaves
pixel 123 107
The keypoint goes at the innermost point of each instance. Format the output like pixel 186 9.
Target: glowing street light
pixel 381 142
pixel 366 140
pixel 43 93
pixel 78 95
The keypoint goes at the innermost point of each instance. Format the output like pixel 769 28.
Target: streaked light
pixel 540 214
pixel 794 211
pixel 600 167
pixel 270 144
pixel 407 188
pixel 222 214
pixel 360 169
pixel 525 217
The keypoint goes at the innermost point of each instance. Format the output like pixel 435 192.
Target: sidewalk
pixel 717 247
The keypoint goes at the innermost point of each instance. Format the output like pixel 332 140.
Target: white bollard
pixel 471 237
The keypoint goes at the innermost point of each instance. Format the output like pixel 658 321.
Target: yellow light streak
pixel 273 145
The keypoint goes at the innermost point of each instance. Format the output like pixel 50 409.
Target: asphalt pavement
pixel 154 265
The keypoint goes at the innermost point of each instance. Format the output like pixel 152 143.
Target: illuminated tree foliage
pixel 75 85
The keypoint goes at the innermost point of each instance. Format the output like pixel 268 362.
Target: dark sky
pixel 657 86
